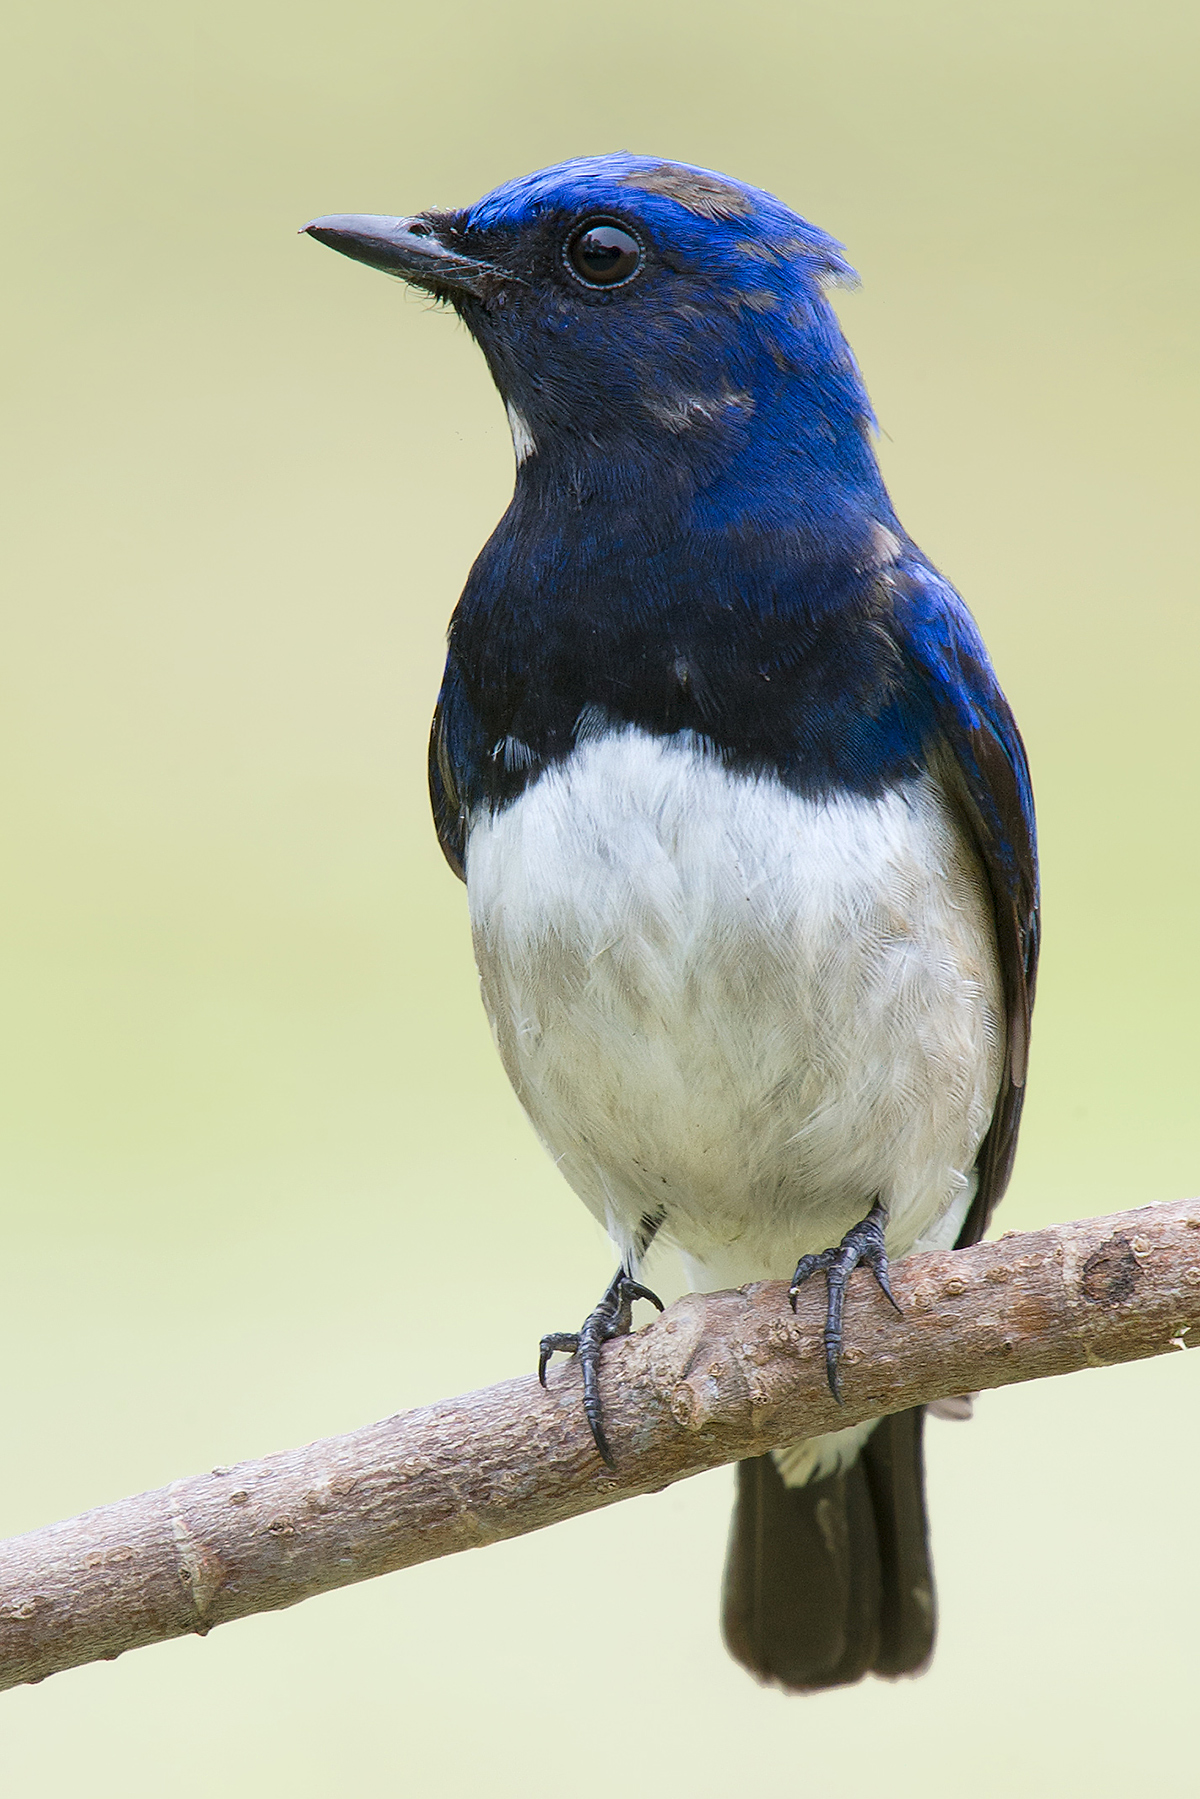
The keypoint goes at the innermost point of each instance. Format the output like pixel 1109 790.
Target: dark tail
pixel 829 1582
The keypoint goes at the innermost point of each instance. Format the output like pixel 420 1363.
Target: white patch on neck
pixel 522 436
pixel 684 411
pixel 512 754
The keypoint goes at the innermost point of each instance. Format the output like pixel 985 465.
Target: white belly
pixel 746 1011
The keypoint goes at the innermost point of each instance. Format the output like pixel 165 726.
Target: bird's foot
pixel 613 1317
pixel 862 1243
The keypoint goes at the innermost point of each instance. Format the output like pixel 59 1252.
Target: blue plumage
pixel 700 643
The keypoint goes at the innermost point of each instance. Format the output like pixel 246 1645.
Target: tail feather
pixel 831 1581
pixel 894 1463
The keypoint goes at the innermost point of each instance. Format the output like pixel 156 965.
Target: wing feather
pixel 982 760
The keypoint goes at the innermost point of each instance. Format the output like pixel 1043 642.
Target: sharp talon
pixel 881 1277
pixel 863 1242
pixel 562 1342
pixel 636 1291
pixel 601 1442
pixel 613 1317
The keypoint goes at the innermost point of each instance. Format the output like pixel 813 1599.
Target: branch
pixel 719 1377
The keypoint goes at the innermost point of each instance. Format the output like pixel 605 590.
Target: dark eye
pixel 603 254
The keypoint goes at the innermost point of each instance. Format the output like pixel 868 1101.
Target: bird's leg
pixel 613 1317
pixel 862 1243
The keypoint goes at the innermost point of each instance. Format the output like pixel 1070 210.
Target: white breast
pixel 750 1012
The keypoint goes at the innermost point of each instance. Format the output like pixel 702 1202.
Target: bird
pixel 744 817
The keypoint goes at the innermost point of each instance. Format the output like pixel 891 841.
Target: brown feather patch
pixel 702 194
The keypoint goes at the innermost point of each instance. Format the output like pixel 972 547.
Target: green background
pixel 263 1177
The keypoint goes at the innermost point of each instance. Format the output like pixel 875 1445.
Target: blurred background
pixel 263 1178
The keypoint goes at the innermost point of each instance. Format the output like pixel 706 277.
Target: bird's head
pixel 643 316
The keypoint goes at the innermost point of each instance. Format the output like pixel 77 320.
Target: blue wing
pixel 456 752
pixel 985 768
pixel 448 814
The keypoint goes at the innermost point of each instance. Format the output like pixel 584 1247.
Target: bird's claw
pixel 863 1242
pixel 613 1317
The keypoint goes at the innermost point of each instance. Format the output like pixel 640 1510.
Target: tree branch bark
pixel 718 1377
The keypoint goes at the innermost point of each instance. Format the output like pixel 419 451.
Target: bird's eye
pixel 603 254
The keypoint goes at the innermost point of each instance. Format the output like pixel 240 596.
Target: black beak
pixel 409 248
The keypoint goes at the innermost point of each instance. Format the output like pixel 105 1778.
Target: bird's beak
pixel 409 248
